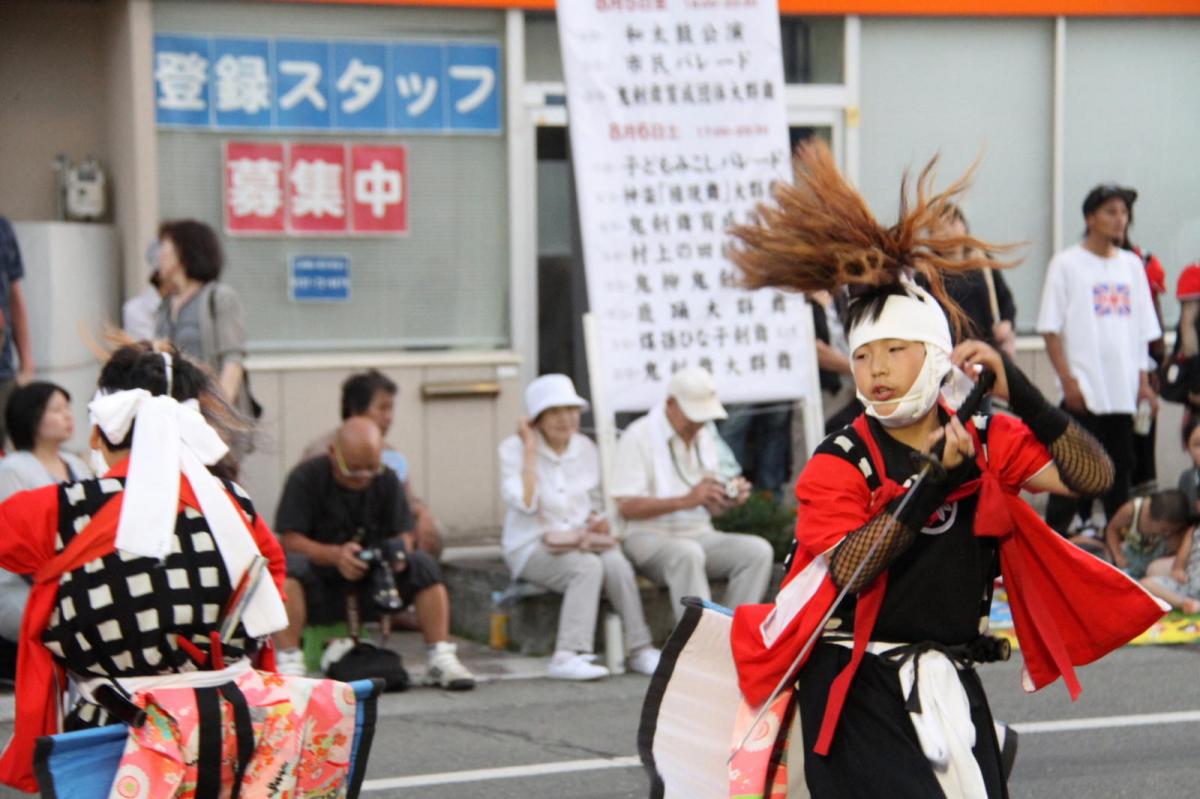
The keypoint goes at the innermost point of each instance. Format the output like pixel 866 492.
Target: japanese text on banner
pixel 678 128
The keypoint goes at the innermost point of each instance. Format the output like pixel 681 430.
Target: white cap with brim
pixel 696 394
pixel 551 391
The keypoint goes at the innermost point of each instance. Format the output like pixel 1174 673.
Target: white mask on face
pixel 921 396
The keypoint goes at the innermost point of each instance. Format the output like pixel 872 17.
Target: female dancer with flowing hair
pixel 155 589
pixel 886 696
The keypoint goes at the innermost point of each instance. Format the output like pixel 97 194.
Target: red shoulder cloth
pixel 1069 608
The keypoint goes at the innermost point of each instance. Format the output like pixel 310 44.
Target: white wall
pixel 965 88
pixel 1133 117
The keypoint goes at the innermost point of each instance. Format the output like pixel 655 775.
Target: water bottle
pixel 498 622
pixel 614 644
pixel 1143 419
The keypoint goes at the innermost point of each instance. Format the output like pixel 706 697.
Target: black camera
pixel 381 578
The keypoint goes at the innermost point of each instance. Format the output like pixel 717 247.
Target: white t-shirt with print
pixel 1101 308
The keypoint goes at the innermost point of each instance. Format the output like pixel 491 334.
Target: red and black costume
pixel 932 594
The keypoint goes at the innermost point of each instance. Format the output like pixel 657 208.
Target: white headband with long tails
pixel 172 438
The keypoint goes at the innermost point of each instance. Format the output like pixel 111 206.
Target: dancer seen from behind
pixel 890 680
pixel 155 588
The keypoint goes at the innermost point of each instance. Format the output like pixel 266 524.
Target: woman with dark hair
pixel 202 317
pixel 39 422
pixel 155 587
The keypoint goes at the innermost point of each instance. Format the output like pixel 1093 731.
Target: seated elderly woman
pixel 554 535
pixel 155 589
pixel 39 420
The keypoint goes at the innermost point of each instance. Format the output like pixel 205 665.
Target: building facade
pixel 467 282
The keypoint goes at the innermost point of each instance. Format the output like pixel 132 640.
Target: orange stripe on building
pixel 923 8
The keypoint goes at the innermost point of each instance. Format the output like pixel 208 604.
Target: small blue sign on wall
pixel 319 278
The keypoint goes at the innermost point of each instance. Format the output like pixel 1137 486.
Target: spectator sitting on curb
pixel 1177 579
pixel 1145 529
pixel 373 394
pixel 668 490
pixel 39 422
pixel 333 508
pixel 555 535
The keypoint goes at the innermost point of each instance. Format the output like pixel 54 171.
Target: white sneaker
pixel 644 661
pixel 335 650
pixel 445 670
pixel 574 666
pixel 290 662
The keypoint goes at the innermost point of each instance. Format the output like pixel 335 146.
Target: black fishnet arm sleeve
pixel 856 546
pixel 895 533
pixel 1083 465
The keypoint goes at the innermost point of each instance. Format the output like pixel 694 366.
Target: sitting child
pixel 1145 529
pixel 1177 580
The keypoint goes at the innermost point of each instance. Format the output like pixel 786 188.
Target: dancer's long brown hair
pixel 820 234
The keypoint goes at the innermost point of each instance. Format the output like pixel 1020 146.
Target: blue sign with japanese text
pixel 473 94
pixel 302 84
pixel 181 69
pixel 241 88
pixel 319 278
pixel 362 103
pixel 421 98
pixel 327 85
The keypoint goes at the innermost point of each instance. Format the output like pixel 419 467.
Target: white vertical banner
pixel 678 129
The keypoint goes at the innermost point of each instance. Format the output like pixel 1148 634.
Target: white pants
pixel 580 577
pixel 685 562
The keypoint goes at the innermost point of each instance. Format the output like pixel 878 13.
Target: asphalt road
pixel 496 741
pixel 538 721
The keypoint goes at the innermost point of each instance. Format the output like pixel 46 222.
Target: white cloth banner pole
pixel 605 420
pixel 678 130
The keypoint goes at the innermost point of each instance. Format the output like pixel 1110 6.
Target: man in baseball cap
pixel 695 393
pixel 1098 320
pixel 668 484
pixel 1105 192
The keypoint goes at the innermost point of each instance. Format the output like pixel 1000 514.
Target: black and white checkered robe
pixel 120 615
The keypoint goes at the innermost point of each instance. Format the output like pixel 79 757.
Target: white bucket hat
pixel 551 391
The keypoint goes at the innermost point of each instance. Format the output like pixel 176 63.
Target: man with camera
pixel 347 530
pixel 668 487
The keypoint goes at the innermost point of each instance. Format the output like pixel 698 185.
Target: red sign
pixel 254 193
pixel 283 188
pixel 379 189
pixel 316 188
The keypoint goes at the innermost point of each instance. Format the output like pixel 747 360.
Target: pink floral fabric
pixel 750 765
pixel 303 733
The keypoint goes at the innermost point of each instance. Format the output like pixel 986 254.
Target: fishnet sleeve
pixel 1083 465
pixel 856 547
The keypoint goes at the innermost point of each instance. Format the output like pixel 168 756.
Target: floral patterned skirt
pixel 303 733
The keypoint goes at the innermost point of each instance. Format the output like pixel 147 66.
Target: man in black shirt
pixel 335 509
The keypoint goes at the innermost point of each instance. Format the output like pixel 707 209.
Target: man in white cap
pixel 668 488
